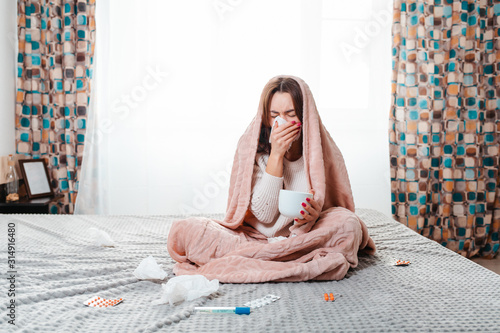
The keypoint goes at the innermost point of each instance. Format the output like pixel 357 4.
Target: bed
pixel 57 268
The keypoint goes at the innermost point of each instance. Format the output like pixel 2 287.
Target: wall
pixel 360 131
pixel 8 17
pixel 177 106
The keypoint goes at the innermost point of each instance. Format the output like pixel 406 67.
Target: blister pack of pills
pixel 99 302
pixel 398 262
pixel 260 302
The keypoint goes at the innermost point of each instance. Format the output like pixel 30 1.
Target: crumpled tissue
pixel 186 288
pixel 148 269
pixel 101 238
pixel 276 239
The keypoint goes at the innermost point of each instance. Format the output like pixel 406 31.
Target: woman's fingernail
pixel 304 205
pixel 293 122
pixel 308 199
pixel 302 212
pixel 296 220
pixel 298 124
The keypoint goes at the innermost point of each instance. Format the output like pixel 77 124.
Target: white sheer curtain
pixel 178 82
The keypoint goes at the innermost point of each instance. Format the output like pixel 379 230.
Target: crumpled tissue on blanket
pixel 186 288
pixel 101 238
pixel 276 239
pixel 148 269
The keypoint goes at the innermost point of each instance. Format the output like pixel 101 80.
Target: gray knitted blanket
pixel 54 267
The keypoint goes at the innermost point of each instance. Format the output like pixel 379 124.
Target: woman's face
pixel 282 105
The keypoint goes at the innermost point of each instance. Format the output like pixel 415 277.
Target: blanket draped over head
pixel 233 252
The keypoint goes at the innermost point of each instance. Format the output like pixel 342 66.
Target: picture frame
pixel 36 178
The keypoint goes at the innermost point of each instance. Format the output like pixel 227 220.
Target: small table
pixel 25 206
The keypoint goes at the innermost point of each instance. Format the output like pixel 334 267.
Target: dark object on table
pixel 28 206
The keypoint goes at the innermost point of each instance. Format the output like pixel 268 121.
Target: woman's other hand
pixel 310 210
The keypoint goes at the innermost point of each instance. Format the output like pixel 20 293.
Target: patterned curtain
pixel 444 122
pixel 56 47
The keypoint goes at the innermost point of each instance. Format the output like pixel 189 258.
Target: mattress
pixel 57 267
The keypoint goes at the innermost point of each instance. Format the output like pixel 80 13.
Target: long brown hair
pixel 282 85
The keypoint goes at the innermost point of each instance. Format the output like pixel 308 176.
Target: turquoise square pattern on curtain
pixel 54 71
pixel 444 122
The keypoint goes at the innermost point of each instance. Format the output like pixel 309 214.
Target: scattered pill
pixel 329 297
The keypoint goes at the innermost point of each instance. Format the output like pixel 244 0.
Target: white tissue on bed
pixel 100 238
pixel 148 269
pixel 186 288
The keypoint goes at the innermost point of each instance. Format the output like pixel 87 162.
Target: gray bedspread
pixel 57 268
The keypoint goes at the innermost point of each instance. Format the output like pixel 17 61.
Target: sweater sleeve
pixel 265 193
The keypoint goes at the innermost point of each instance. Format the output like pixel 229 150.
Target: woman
pixel 301 156
pixel 279 162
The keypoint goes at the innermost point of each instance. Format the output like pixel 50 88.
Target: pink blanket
pixel 232 252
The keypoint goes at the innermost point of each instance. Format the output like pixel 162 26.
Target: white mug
pixel 290 203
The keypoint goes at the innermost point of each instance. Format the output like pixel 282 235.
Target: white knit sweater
pixel 265 195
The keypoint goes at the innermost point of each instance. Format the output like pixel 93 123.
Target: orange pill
pixel 326 297
pixel 331 297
